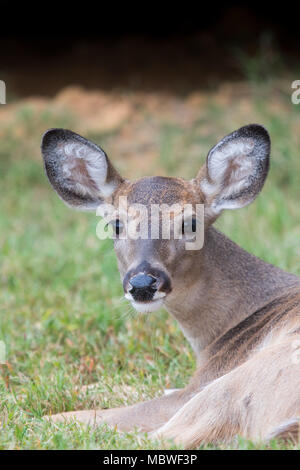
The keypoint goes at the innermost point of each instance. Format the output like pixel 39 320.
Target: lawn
pixel 63 319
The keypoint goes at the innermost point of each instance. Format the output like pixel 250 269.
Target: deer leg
pixel 145 416
pixel 252 400
pixel 203 419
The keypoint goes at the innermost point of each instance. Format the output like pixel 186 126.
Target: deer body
pixel 231 285
pixel 240 314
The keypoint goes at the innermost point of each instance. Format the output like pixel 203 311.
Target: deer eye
pixel 117 226
pixel 189 226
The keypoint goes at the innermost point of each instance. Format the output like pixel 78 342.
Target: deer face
pixel 153 265
pixel 150 267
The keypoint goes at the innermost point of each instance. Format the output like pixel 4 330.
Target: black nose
pixel 141 281
pixel 142 287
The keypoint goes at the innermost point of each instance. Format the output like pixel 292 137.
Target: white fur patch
pixel 82 163
pixel 145 307
pixel 221 157
pixel 168 391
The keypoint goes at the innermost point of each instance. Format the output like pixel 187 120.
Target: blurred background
pixel 156 87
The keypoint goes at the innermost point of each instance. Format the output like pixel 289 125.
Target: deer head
pixel 153 269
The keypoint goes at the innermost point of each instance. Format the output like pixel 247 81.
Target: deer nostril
pixel 142 281
pixel 142 287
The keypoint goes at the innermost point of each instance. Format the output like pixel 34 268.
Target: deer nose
pixel 142 287
pixel 142 281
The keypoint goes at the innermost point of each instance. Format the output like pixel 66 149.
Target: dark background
pixel 48 45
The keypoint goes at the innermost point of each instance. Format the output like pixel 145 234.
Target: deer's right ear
pixel 78 170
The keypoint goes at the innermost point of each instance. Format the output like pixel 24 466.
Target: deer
pixel 240 314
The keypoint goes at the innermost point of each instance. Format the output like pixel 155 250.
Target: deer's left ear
pixel 236 169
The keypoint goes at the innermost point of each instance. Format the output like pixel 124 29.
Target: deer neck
pixel 227 286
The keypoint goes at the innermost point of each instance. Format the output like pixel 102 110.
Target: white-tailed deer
pixel 240 314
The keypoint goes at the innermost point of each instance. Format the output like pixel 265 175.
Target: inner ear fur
pixel 236 169
pixel 79 170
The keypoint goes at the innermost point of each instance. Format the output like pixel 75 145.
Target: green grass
pixel 62 316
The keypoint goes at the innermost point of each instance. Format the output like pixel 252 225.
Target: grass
pixel 62 316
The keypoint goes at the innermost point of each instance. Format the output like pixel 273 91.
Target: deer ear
pixel 78 170
pixel 236 169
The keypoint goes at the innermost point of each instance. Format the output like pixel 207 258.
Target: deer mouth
pixel 147 306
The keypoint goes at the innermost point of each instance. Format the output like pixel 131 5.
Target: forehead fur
pixel 159 190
